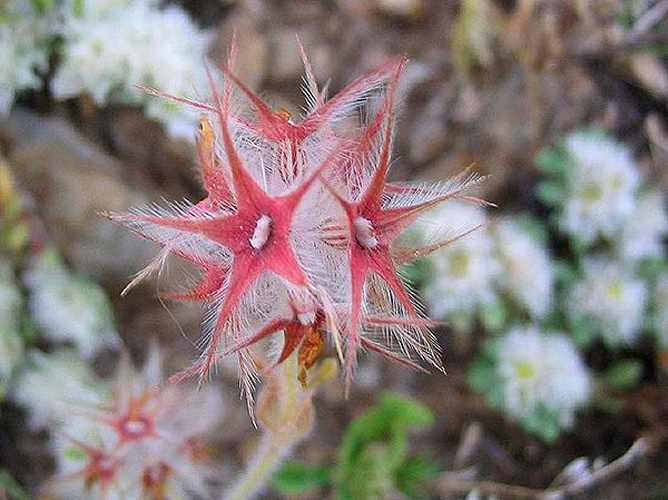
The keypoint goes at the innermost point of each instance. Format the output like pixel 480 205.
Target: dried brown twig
pixel 598 50
pixel 640 36
pixel 583 481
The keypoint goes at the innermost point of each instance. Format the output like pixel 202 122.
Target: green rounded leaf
pixel 624 375
pixel 551 193
pixel 297 479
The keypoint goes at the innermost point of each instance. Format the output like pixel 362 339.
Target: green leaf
pixel 375 447
pixel 493 317
pixel 15 238
pixel 624 374
pixel 608 404
pixel 553 320
pixel 581 331
pixel 649 269
pixel 297 479
pixel 565 272
pixel 543 422
pixel 78 8
pixel 374 474
pixel 412 475
pixel 43 6
pixel 28 330
pixel 76 454
pixel 13 208
pixel 534 227
pixel 482 375
pixel 579 247
pixel 414 273
pixel 555 162
pixel 11 487
pixel 551 193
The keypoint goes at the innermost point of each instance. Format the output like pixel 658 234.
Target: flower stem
pixel 285 412
pixel 268 457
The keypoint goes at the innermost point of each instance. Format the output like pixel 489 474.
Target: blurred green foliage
pixel 374 459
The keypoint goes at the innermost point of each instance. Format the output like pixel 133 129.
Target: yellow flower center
pixel 459 264
pixel 615 290
pixel 591 192
pixel 525 370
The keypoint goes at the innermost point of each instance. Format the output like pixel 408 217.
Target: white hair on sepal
pixel 314 97
pixel 406 341
pixel 230 333
pixel 320 148
pixel 388 323
pixel 357 93
pixel 352 174
pixel 448 221
pixel 266 300
pixel 144 221
pixel 155 266
pixel 405 195
pixel 212 310
pixel 322 261
pixel 169 209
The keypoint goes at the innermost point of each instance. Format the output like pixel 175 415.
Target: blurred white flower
pixel 117 44
pixel 11 344
pixel 643 234
pixel 23 49
pixel 611 298
pixel 144 441
pixel 463 272
pixel 69 308
pixel 541 370
pixel 661 309
pixel 52 383
pixel 527 269
pixel 601 187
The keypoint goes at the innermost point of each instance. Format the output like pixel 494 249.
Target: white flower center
pixel 364 233
pixel 261 232
pixel 135 427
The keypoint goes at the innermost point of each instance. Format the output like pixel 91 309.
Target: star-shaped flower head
pixel 298 230
pixel 143 440
pixel 384 315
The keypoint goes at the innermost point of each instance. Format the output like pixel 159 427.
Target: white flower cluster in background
pixel 463 273
pixel 646 228
pixel 541 370
pixel 527 275
pixel 133 439
pixel 602 185
pixel 499 261
pixel 112 45
pixel 11 344
pixel 69 308
pixel 660 298
pixel 24 56
pixel 616 224
pixel 611 298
